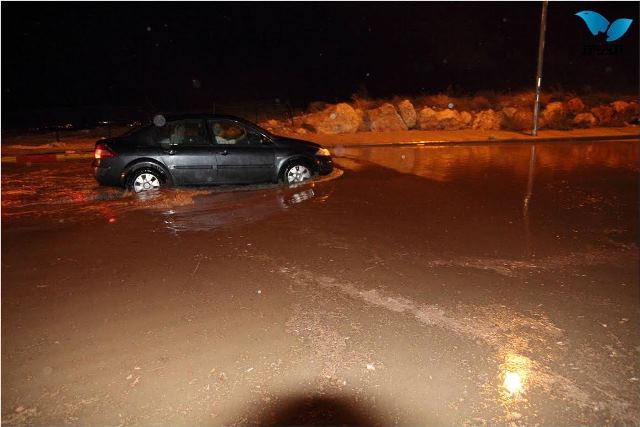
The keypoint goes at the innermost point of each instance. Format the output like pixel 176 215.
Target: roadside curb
pixel 44 158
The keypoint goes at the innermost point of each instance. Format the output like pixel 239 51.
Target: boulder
pixel 466 118
pixel 408 113
pixel 487 120
pixel 335 119
pixel 585 120
pixel 449 120
pixel 271 124
pixel 625 112
pixel 517 118
pixel 427 119
pixel 620 106
pixel 555 116
pixel 575 105
pixel 604 114
pixel 385 119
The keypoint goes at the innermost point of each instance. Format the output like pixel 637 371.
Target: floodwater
pixel 431 285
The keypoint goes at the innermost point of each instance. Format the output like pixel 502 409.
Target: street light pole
pixel 543 30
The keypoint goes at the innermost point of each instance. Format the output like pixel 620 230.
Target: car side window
pixel 227 132
pixel 182 132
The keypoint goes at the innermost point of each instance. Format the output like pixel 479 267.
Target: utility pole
pixel 543 30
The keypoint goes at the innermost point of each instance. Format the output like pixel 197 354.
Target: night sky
pixel 189 55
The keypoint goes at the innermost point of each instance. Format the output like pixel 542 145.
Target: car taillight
pixel 102 151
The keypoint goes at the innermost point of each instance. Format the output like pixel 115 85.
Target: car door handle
pixel 224 152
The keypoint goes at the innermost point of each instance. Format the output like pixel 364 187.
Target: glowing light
pixel 513 383
pixel 112 220
pixel 515 373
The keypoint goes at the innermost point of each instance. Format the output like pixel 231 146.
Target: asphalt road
pixel 424 286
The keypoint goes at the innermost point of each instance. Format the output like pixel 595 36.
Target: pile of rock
pixel 403 115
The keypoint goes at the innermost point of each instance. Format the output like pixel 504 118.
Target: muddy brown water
pixel 475 284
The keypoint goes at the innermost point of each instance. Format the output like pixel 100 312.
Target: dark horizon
pixel 191 55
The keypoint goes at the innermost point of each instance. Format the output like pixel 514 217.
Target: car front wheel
pixel 145 179
pixel 296 173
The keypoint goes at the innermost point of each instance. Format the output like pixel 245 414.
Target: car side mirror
pixel 265 140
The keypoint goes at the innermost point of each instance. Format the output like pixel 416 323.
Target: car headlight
pixel 323 152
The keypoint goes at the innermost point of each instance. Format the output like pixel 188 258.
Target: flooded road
pixel 475 285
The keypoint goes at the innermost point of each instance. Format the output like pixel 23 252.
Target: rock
pixel 575 105
pixel 517 118
pixel 271 124
pixel 585 120
pixel 555 116
pixel 449 120
pixel 466 118
pixel 408 113
pixel 487 120
pixel 625 112
pixel 427 119
pixel 620 106
pixel 335 119
pixel 385 119
pixel 604 114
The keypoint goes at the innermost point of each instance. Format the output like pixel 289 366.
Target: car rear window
pixel 143 137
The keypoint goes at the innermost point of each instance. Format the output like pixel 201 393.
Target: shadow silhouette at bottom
pixel 315 411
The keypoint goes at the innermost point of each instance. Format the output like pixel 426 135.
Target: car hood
pixel 282 141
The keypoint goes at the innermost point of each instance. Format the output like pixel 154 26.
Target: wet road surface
pixel 425 286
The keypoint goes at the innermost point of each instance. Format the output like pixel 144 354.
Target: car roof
pixel 171 117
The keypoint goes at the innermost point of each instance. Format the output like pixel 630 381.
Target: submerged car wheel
pixel 145 180
pixel 296 172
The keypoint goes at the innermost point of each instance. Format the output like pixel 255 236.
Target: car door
pixel 187 152
pixel 243 155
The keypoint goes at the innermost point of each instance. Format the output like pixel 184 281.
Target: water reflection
pixel 447 162
pixel 515 372
pixel 527 199
pixel 515 378
pixel 530 190
pixel 64 195
pixel 230 209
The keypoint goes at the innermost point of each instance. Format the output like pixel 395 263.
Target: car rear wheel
pixel 145 180
pixel 297 172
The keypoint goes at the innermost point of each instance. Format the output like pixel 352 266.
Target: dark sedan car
pixel 202 150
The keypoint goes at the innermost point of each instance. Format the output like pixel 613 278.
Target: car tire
pixel 296 172
pixel 144 180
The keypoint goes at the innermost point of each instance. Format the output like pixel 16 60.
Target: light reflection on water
pixel 447 162
pixel 515 378
pixel 515 373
